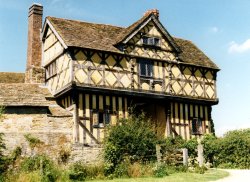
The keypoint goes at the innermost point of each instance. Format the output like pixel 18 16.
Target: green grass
pixel 210 175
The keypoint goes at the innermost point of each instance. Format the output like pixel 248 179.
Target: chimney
pixel 34 71
pixel 152 11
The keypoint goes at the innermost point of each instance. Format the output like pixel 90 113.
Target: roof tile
pixel 105 37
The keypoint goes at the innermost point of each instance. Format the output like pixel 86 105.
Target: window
pixel 51 70
pixel 153 41
pixel 146 68
pixel 100 119
pixel 197 126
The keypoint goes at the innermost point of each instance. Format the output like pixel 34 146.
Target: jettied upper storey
pixel 142 58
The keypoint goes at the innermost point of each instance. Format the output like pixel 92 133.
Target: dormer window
pixel 152 41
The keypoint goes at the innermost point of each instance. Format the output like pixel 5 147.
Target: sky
pixel 220 28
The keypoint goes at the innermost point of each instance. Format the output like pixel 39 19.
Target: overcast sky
pixel 220 28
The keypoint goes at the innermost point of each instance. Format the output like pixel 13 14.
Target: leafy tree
pixel 133 138
pixel 234 149
pixel 191 145
pixel 210 145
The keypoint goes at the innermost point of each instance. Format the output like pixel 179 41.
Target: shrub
pixel 2 159
pixel 234 150
pixel 173 143
pixel 77 172
pixel 33 141
pixel 210 146
pixel 63 156
pixel 191 145
pixel 132 138
pixel 121 170
pixel 44 164
pixel 135 170
pixel 95 171
pixel 2 147
pixel 200 169
pixel 16 153
pixel 160 170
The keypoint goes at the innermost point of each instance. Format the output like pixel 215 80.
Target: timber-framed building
pixel 98 72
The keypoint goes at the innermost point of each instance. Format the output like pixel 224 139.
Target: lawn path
pixel 236 175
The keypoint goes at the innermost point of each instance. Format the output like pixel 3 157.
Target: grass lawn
pixel 210 175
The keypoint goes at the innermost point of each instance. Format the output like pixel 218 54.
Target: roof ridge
pixel 130 28
pixel 80 21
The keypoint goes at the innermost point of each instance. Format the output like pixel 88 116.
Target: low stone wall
pixel 55 134
pixel 86 154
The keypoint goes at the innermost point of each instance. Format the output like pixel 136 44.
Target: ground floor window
pixel 101 118
pixel 197 126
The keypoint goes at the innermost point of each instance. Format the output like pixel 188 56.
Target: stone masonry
pixel 31 109
pixel 34 51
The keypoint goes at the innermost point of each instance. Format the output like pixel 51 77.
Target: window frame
pixel 149 68
pixel 197 126
pixel 51 70
pixel 151 41
pixel 101 118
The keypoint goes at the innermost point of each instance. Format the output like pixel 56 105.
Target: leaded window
pixel 101 118
pixel 152 41
pixel 146 68
pixel 197 126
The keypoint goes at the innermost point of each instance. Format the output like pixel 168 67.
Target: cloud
pixel 239 48
pixel 214 29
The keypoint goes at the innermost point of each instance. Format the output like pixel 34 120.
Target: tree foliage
pixel 132 138
pixel 230 151
pixel 234 149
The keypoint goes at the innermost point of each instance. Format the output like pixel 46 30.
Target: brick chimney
pixel 152 11
pixel 34 72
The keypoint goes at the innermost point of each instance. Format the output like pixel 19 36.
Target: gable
pixel 53 46
pixel 78 34
pixel 151 30
pixel 145 21
pixel 163 50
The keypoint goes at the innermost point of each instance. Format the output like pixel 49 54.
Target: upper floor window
pixel 153 41
pixel 146 68
pixel 197 126
pixel 51 70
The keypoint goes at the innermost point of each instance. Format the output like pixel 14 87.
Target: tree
pixel 133 138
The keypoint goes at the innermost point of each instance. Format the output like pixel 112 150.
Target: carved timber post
pixel 168 120
pixel 211 123
pixel 170 79
pixel 215 86
pixel 132 65
pixel 75 118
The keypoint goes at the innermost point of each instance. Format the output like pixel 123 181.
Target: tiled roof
pixel 86 35
pixel 10 77
pixel 191 54
pixel 21 94
pixel 105 37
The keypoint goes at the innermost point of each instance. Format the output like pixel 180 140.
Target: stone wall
pixel 86 154
pixel 35 75
pixel 55 134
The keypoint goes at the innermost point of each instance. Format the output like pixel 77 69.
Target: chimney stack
pixel 34 71
pixel 152 11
